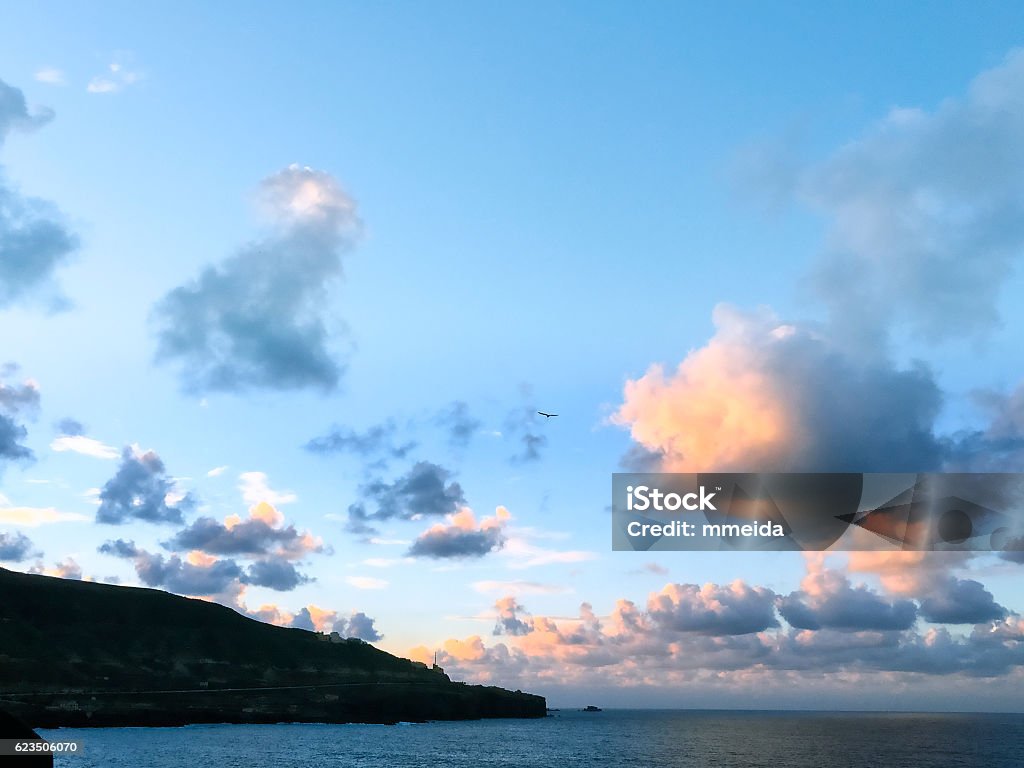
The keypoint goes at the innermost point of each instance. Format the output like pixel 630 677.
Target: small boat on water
pixel 591 708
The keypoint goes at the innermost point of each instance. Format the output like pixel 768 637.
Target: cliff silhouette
pixel 76 653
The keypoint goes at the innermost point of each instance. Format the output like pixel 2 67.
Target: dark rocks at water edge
pixel 76 653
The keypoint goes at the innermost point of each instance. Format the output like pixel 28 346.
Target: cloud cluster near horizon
pixel 756 635
pixel 315 619
pixel 140 490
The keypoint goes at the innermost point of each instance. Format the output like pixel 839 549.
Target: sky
pixel 282 289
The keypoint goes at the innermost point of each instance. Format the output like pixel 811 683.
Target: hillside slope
pixel 80 653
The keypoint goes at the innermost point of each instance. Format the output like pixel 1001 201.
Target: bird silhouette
pixel 549 415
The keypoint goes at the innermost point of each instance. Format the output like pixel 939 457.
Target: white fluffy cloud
pixel 86 446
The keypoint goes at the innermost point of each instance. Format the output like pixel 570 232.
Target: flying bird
pixel 549 415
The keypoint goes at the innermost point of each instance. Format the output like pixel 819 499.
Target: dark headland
pixel 76 653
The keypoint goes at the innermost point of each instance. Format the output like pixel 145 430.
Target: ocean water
pixel 640 738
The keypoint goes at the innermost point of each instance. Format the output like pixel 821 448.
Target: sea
pixel 640 738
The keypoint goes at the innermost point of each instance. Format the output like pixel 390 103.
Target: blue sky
pixel 520 207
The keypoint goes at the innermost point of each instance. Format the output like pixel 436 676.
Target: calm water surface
pixel 674 739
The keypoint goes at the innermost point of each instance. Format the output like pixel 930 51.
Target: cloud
pixel 719 637
pixel 100 84
pixel 217 471
pixel 15 547
pixel 999 445
pixel 516 588
pixel 1013 550
pixel 70 427
pixel 34 516
pixel 11 435
pixel 766 396
pixel 201 574
pixel 366 582
pixel 116 78
pixel 376 442
pixel 929 578
pixel 925 213
pixel 456 420
pixel 925 225
pixel 906 573
pixel 520 549
pixel 425 490
pixel 461 536
pixel 50 76
pixel 262 537
pixel 262 534
pixel 34 240
pixel 508 621
pixel 256 489
pixel 523 423
pixel 196 575
pixel 86 446
pixel 359 626
pixel 275 574
pixel 140 491
pixel 960 601
pixel 257 320
pixel 15 115
pixel 120 548
pixel 657 570
pixel 15 400
pixel 736 609
pixel 828 601
pixel 315 619
pixel 68 568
